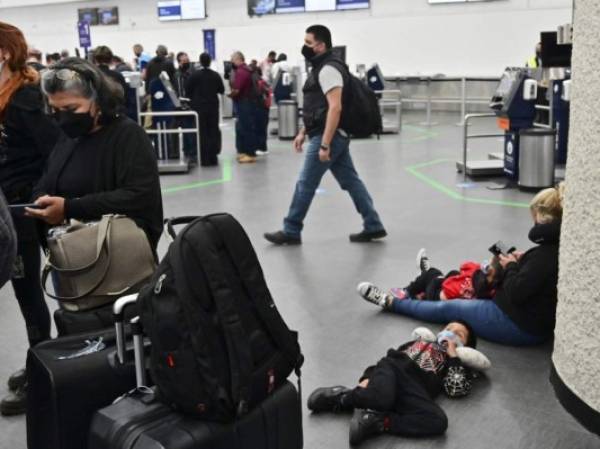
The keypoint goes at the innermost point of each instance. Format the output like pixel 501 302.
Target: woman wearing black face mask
pixel 105 163
pixel 27 137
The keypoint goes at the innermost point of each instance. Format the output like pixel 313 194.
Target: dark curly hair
pixel 85 79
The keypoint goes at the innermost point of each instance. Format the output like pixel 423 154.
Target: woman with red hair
pixel 27 136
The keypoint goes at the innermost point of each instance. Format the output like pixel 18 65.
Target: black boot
pixel 281 238
pixel 329 399
pixel 17 380
pixel 366 424
pixel 366 237
pixel 15 403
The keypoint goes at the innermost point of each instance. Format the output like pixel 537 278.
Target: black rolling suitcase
pixel 138 421
pixel 70 378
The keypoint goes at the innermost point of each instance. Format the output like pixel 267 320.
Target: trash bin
pixel 288 119
pixel 536 158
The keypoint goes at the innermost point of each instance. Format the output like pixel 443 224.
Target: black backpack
pixel 219 345
pixel 361 116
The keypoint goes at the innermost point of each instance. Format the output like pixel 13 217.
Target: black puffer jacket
pixel 27 137
pixel 528 294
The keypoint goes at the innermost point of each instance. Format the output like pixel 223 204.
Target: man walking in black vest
pixel 328 147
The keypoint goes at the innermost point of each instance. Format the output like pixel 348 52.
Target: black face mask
pixel 74 124
pixel 185 66
pixel 308 52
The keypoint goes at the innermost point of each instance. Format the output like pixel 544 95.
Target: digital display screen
pixel 169 10
pixel 89 15
pixel 264 7
pixel 108 16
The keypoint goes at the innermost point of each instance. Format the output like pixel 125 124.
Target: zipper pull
pixel 158 286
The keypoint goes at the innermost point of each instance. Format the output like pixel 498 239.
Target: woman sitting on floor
pixel 523 309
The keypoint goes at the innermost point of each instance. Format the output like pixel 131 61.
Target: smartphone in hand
pixel 18 210
pixel 501 248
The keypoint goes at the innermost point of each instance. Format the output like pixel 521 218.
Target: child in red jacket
pixel 473 280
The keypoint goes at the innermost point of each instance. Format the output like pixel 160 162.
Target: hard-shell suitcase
pixel 134 423
pixel 70 378
pixel 139 421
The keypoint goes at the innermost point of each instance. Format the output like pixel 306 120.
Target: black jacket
pixel 316 106
pixel 528 294
pixel 450 376
pixel 157 65
pixel 125 182
pixel 27 136
pixel 203 87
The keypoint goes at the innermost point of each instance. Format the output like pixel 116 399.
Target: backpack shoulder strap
pixel 236 240
pixel 238 347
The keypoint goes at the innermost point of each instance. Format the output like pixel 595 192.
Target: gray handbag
pixel 94 264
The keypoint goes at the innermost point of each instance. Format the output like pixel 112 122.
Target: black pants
pixel 395 391
pixel 261 124
pixel 26 282
pixel 210 135
pixel 429 282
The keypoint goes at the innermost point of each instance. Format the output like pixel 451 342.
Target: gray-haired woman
pixel 105 163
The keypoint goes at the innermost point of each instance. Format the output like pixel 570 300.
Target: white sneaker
pixel 423 261
pixel 261 153
pixel 370 292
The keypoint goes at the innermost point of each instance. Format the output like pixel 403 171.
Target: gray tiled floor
pixel 314 285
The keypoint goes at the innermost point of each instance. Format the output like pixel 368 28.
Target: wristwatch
pixel 325 147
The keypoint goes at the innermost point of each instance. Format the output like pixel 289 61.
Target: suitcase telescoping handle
pixel 118 314
pixel 138 350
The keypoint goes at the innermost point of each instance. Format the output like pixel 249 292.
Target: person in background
pixel 241 93
pixel 141 59
pixel 266 66
pixel 103 57
pixel 27 137
pixel 157 65
pixel 52 58
pixel 120 65
pixel 183 72
pixel 262 108
pixel 34 59
pixel 536 60
pixel 281 90
pixel 64 54
pixel 329 145
pixel 203 88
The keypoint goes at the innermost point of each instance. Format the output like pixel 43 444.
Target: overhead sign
pixel 85 37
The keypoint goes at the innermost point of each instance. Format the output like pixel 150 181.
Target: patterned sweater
pixel 432 358
pixel 430 364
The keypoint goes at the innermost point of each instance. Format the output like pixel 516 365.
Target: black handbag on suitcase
pixel 139 421
pixel 65 391
pixel 219 345
pixel 88 321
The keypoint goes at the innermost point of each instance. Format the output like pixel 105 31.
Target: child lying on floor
pixel 396 395
pixel 473 280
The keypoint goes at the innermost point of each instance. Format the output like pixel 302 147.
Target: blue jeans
pixel 343 170
pixel 484 316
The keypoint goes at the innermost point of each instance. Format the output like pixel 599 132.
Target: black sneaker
pixel 423 261
pixel 370 292
pixel 366 424
pixel 328 399
pixel 15 403
pixel 366 237
pixel 17 380
pixel 281 238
